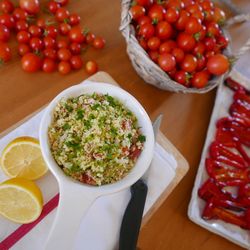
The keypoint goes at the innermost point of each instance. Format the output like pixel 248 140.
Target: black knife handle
pixel 132 217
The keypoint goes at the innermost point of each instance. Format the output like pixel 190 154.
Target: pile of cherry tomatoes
pixel 46 44
pixel 184 37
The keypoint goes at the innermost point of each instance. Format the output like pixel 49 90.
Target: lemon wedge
pixel 22 157
pixel 21 200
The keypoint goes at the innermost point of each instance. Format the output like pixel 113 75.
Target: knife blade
pixel 132 217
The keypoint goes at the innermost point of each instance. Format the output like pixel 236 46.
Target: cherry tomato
pixel 174 4
pixel 156 13
pixel 208 54
pixel 75 48
pixel 208 15
pixel 186 42
pixel 21 25
pixel 167 46
pixel 189 63
pixel 207 5
pixel 199 15
pixel 188 3
pixel 183 18
pixel 64 67
pixel 143 43
pixel 48 65
pixel 90 38
pixel 171 15
pixel 201 62
pixel 199 79
pixel 199 48
pixel 164 30
pixel 146 31
pixel 51 31
pixel 36 44
pixel 5 53
pixel 91 67
pixel 172 73
pixel 99 43
pixel 178 54
pixel 74 19
pixel 23 49
pixel 23 36
pixel 218 64
pixel 7 20
pixel 62 44
pixel 64 54
pixel 154 43
pixel 35 31
pixel 31 62
pixel 153 54
pixel 199 36
pixel 53 7
pixel 166 62
pixel 192 26
pixel 40 22
pixel 76 35
pixel 49 42
pixel 64 28
pixel 219 16
pixel 6 6
pixel 182 77
pixel 137 11
pixel 4 33
pixel 62 14
pixel 50 53
pixel 193 8
pixel 213 29
pixel 20 14
pixel 209 43
pixel 145 3
pixel 76 62
pixel 143 20
pixel 31 6
pixel 62 2
pixel 222 42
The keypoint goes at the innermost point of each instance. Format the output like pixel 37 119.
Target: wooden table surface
pixel 186 119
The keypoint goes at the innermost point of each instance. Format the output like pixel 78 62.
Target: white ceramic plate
pixel 233 233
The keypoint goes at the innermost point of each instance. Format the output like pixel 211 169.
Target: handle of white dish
pixel 72 207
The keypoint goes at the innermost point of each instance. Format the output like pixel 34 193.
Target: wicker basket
pixel 151 72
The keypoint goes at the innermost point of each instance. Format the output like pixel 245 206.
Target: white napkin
pixel 100 227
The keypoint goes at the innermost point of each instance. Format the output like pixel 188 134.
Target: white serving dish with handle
pixel 75 197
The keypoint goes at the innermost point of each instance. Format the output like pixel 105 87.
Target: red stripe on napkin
pixel 10 240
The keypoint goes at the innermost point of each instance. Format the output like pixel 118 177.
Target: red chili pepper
pixel 239 132
pixel 244 195
pixel 225 137
pixel 244 98
pixel 243 135
pixel 211 211
pixel 209 190
pixel 242 119
pixel 226 176
pixel 238 107
pixel 222 154
pixel 229 164
pixel 243 153
pixel 235 86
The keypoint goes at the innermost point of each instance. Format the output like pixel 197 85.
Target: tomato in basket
pixel 184 38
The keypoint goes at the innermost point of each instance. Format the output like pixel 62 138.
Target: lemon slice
pixel 21 200
pixel 23 158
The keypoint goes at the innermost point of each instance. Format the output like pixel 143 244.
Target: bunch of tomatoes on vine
pixel 46 44
pixel 184 37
